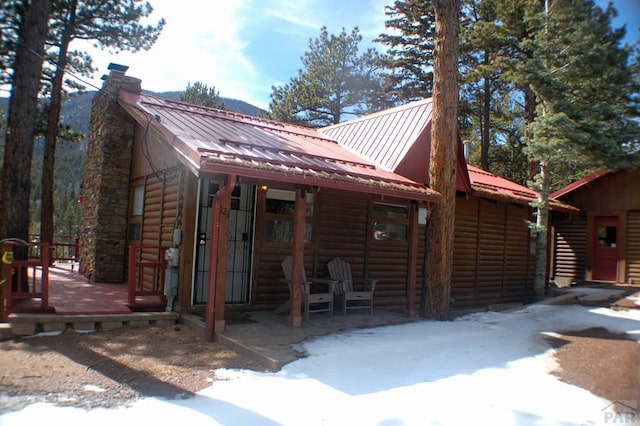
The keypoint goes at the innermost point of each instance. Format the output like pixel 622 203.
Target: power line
pixel 65 70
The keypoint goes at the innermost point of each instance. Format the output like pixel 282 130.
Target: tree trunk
pixel 23 110
pixel 538 171
pixel 51 135
pixel 486 116
pixel 530 104
pixel 542 219
pixel 444 143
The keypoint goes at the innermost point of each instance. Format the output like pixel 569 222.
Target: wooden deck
pixel 82 305
pixel 72 294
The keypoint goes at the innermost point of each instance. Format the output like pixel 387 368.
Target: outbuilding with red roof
pixel 602 241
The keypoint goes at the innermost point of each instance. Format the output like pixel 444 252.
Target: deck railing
pixel 24 281
pixel 67 252
pixel 147 267
pixel 65 248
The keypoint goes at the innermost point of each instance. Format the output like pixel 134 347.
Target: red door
pixel 605 248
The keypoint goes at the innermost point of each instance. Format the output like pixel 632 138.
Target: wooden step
pixel 23 324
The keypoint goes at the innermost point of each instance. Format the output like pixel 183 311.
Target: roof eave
pixel 185 155
pixel 579 184
pixel 554 204
pixel 320 179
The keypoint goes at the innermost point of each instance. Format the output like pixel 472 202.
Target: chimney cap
pixel 117 67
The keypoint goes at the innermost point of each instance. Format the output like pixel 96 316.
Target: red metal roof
pixel 396 139
pixel 488 185
pixel 384 137
pixel 579 184
pixel 216 141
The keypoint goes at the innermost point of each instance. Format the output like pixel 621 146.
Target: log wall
pixel 633 247
pixel 570 239
pixel 492 260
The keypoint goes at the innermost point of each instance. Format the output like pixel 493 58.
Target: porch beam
pixel 412 264
pixel 216 278
pixel 364 184
pixel 297 260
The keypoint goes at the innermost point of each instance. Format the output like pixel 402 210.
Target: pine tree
pixel 23 108
pixel 444 143
pixel 409 58
pixel 586 95
pixel 10 21
pixel 112 24
pixel 335 81
pixel 481 85
pixel 201 94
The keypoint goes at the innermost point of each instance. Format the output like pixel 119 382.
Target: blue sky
pixel 244 47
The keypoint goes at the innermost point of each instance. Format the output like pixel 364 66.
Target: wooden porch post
pixel 216 278
pixel 297 260
pixel 412 264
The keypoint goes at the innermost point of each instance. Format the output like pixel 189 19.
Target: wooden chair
pixel 317 293
pixel 351 298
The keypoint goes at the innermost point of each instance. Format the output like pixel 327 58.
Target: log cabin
pixel 230 196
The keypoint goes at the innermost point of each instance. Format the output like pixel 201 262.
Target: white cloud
pixel 241 47
pixel 201 41
pixel 303 13
pixel 296 13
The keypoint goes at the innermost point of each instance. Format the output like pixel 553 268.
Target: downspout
pixel 216 212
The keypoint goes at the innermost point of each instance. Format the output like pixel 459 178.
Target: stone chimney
pixel 105 188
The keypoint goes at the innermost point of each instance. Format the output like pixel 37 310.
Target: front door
pixel 605 248
pixel 240 243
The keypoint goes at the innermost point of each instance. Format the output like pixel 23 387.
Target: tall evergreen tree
pixel 199 93
pixel 23 109
pixel 335 81
pixel 490 115
pixel 444 144
pixel 110 24
pixel 481 85
pixel 588 106
pixel 409 58
pixel 10 21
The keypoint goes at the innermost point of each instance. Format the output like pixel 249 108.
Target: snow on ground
pixel 488 368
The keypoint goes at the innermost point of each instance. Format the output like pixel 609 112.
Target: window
pixel 607 236
pixel 137 211
pixel 390 222
pixel 280 206
pixel 138 201
pixel 284 202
